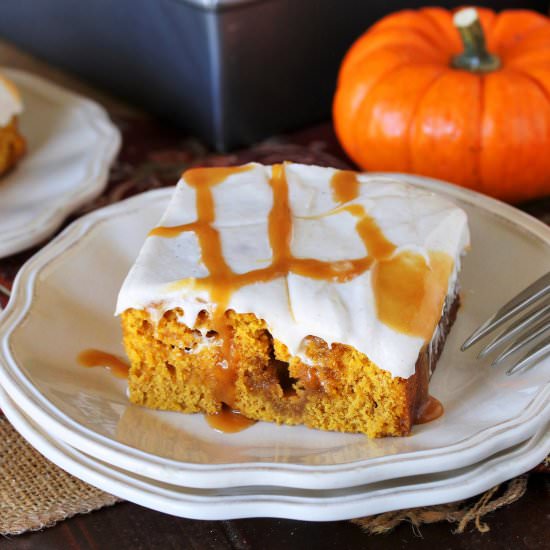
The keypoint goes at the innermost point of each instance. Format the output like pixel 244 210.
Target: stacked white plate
pixel 494 427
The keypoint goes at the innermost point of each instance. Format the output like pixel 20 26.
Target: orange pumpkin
pixel 419 93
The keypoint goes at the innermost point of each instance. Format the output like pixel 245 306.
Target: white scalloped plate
pixel 283 502
pixel 70 145
pixel 63 300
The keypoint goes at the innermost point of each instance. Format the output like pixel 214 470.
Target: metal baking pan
pixel 229 71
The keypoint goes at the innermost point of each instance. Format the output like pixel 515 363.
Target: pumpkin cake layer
pixel 12 143
pixel 294 294
pixel 338 389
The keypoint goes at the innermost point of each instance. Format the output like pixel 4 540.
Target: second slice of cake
pixel 12 143
pixel 295 294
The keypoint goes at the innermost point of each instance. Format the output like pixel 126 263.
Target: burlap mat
pixel 35 493
pixel 463 512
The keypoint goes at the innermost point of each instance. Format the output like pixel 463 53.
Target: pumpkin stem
pixel 475 56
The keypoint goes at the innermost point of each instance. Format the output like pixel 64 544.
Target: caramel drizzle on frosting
pixel 409 292
pixel 373 238
pixel 345 186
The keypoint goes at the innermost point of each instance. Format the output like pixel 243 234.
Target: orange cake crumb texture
pixel 12 146
pixel 175 368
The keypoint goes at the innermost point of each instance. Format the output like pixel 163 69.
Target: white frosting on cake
pixel 10 101
pixel 296 306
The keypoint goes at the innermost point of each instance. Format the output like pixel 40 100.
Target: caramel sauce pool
pixel 229 421
pixel 431 410
pixel 98 358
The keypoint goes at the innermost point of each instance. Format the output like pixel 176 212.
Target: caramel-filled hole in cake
pixel 294 294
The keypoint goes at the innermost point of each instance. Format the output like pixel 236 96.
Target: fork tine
pixel 538 352
pixel 535 291
pixel 534 332
pixel 514 329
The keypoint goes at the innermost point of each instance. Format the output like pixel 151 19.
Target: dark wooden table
pixel 153 156
pixel 522 525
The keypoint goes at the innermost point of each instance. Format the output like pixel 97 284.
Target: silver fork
pixel 530 327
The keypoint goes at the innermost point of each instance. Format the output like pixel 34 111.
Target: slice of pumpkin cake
pixel 12 143
pixel 294 294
